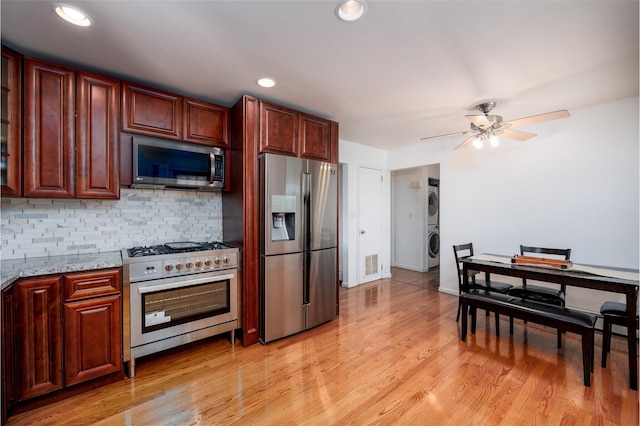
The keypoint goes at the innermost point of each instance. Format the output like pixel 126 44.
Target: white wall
pixel 433 171
pixel 353 155
pixel 409 218
pixel 575 185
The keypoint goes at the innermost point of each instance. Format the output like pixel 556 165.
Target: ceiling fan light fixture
pixel 351 10
pixel 477 142
pixel 485 128
pixel 72 15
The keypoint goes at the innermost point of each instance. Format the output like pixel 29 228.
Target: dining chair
pixel 462 251
pixel 612 313
pixel 549 295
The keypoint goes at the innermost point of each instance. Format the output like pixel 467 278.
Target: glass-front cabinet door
pixel 10 159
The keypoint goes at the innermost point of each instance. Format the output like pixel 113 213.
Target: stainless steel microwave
pixel 174 164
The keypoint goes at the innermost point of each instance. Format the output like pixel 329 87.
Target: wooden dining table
pixel 573 276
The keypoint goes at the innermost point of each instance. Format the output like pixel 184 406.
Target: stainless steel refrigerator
pixel 298 251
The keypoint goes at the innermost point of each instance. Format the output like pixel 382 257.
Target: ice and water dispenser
pixel 283 217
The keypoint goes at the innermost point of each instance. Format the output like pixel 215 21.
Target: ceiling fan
pixel 487 127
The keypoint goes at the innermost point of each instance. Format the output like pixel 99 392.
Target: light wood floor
pixel 393 356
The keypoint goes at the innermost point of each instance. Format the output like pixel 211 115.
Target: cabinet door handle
pixel 362 231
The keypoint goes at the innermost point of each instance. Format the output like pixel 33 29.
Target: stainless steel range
pixel 176 293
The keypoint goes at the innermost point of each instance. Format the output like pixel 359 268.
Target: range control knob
pixel 217 261
pixel 198 263
pixel 168 268
pixel 207 262
pixel 226 259
pixel 189 265
pixel 179 266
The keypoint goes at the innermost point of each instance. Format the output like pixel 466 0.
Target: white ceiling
pixel 408 69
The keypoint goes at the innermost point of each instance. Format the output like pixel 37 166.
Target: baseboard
pixel 448 291
pixel 410 268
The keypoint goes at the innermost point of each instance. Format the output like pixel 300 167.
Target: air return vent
pixel 371 264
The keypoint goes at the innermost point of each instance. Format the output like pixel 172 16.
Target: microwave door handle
pixel 212 171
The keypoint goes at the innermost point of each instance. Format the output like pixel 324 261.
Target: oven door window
pixel 166 308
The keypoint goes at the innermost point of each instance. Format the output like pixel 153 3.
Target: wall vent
pixel 371 265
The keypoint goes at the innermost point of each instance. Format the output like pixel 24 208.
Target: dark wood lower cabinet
pixel 60 333
pixel 38 336
pixel 93 347
pixel 8 354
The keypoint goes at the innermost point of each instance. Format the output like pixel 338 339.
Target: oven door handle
pixel 171 286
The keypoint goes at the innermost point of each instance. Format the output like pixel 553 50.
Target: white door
pixel 369 224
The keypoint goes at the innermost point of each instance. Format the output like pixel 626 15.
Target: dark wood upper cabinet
pixel 97 166
pixel 334 142
pixel 151 112
pixel 10 122
pixel 315 138
pixel 38 336
pixel 278 129
pixel 71 132
pixel 206 123
pixel 49 107
pixel 289 132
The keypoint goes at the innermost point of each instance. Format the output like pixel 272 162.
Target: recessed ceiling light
pixel 266 82
pixel 72 15
pixel 351 10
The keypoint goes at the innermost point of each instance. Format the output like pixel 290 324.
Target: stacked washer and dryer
pixel 433 234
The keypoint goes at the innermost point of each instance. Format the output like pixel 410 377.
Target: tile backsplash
pixel 34 227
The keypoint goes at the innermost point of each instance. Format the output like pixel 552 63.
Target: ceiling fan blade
pixel 518 135
pixel 466 142
pixel 481 120
pixel 448 134
pixel 563 113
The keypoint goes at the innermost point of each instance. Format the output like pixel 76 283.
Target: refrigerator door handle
pixel 306 207
pixel 306 223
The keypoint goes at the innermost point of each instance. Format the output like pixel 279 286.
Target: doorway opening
pixel 415 217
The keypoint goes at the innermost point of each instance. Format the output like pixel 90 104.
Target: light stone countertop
pixel 13 269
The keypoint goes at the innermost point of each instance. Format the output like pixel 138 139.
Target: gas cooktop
pixel 176 247
pixel 178 258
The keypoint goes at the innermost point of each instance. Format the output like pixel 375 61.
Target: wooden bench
pixel 558 317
